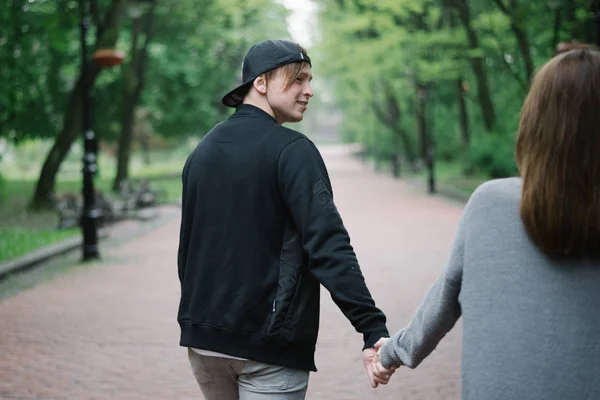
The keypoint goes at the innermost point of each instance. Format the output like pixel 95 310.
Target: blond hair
pixel 290 71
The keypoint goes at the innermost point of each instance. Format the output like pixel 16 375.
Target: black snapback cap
pixel 263 57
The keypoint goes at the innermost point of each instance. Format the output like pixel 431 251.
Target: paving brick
pixel 109 331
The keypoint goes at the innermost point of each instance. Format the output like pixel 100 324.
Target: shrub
pixel 491 155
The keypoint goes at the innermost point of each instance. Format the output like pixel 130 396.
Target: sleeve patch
pixel 323 194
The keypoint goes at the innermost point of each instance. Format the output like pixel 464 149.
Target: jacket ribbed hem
pixel 252 347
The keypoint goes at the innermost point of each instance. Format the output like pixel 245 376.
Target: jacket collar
pixel 247 110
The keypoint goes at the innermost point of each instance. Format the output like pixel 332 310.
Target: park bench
pixel 121 205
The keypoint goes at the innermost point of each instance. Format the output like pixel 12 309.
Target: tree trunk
pixel 133 87
pixel 44 189
pixel 593 25
pixel 129 105
pixel 556 29
pixel 145 145
pixel 57 62
pixel 420 118
pixel 576 32
pixel 525 49
pixel 391 118
pixel 478 66
pixel 460 86
pixel 464 118
pixel 396 168
pixel 406 144
pixel 570 19
pixel 520 35
pixel 394 118
pixel 130 99
pixel 72 124
pixel 13 66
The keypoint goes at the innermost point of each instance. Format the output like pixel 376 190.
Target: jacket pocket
pixel 302 319
pixel 291 263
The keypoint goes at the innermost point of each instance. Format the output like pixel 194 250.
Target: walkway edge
pixel 443 190
pixel 43 254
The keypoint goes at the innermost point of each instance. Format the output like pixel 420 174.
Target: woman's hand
pixel 378 374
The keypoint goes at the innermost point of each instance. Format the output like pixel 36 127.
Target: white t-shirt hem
pixel 215 354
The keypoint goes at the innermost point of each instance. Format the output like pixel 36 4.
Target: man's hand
pixel 376 372
pixel 380 343
pixel 369 355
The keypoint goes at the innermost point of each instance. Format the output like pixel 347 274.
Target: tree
pixel 457 55
pixel 108 32
pixel 196 56
pixel 134 75
pixel 182 67
pixel 35 45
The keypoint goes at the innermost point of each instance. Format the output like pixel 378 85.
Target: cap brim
pixel 236 96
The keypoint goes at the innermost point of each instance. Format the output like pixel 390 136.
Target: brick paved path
pixel 108 330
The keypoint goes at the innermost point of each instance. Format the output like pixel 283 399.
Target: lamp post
pixel 90 213
pixel 426 132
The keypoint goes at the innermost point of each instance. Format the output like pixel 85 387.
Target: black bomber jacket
pixel 259 234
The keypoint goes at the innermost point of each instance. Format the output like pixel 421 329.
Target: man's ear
pixel 260 84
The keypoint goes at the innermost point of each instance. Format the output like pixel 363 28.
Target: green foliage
pixel 196 57
pixel 367 53
pixel 37 40
pixel 370 46
pixel 448 144
pixel 491 156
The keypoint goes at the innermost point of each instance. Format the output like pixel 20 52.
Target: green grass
pixel 447 174
pixel 16 241
pixel 23 230
pixel 17 194
pixel 451 175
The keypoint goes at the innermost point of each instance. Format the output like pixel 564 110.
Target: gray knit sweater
pixel 531 324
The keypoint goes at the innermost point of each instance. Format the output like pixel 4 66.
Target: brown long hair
pixel 558 155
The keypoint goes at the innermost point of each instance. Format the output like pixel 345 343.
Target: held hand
pixel 376 372
pixel 380 343
pixel 368 356
pixel 379 371
pixel 381 374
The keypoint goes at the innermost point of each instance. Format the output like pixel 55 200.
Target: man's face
pixel 289 105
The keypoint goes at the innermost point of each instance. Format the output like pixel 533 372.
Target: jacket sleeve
pixel 306 190
pixel 183 228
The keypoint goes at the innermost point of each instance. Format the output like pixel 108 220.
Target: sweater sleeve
pixel 434 318
pixel 306 190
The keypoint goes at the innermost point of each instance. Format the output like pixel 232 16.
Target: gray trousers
pixel 228 379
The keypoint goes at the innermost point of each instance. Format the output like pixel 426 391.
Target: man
pixel 259 233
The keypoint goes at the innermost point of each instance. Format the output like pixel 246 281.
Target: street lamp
pixel 90 213
pixel 427 136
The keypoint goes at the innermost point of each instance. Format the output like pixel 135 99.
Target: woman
pixel 524 271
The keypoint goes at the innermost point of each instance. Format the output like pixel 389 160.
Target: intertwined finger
pixel 382 375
